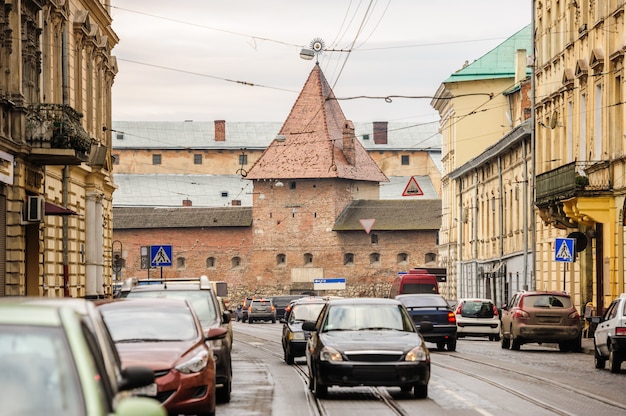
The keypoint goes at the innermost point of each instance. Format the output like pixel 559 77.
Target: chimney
pixel 380 132
pixel 520 65
pixel 187 202
pixel 220 130
pixel 348 142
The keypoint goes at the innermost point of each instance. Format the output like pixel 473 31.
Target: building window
pixel 308 259
pixel 235 262
pixel 405 159
pixel 197 159
pixel 224 194
pixel 366 137
pixel 180 263
pixel 375 258
pixel 430 257
pixel 210 263
pixel 292 185
pixel 156 159
pixel 348 259
pixel 374 238
pixel 281 259
pixel 116 159
pixel 403 258
pixel 243 160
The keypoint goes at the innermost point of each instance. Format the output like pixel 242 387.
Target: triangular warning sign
pixel 412 188
pixel 367 224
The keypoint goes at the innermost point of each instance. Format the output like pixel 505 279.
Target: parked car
pixel 226 324
pixel 434 309
pixel 477 317
pixel 366 342
pixel 52 362
pixel 204 300
pixel 242 309
pixel 294 337
pixel 542 317
pixel 281 302
pixel 261 310
pixel 609 338
pixel 166 335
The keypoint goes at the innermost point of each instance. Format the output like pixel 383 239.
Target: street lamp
pixel 315 49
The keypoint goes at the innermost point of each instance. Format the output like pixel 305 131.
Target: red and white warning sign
pixel 367 224
pixel 412 188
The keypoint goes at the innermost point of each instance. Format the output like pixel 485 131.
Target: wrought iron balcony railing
pixel 57 127
pixel 573 179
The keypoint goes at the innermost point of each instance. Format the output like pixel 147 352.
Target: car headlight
pixel 330 354
pixel 195 364
pixel 417 354
pixel 296 335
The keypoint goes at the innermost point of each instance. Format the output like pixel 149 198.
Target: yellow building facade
pixel 56 183
pixel 580 147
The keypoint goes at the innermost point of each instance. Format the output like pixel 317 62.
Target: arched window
pixel 430 257
pixel 281 259
pixel 210 263
pixel 403 258
pixel 348 259
pixel 180 263
pixel 235 262
pixel 375 258
pixel 308 259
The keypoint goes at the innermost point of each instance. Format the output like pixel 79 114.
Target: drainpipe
pixel 461 269
pixel 475 232
pixel 66 171
pixel 529 188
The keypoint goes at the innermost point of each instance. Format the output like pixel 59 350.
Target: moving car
pixel 542 317
pixel 435 310
pixel 200 292
pixel 477 317
pixel 366 342
pixel 609 338
pixel 52 362
pixel 166 335
pixel 414 281
pixel 281 302
pixel 294 337
pixel 261 310
pixel 242 309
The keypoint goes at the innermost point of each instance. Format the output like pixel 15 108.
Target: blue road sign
pixel 161 256
pixel 564 250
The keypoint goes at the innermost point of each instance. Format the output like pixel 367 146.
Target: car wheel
pixel 441 345
pixel 505 342
pixel 515 344
pixel 250 321
pixel 599 360
pixel 614 361
pixel 321 391
pixel 496 337
pixel 288 357
pixel 451 344
pixel 420 391
pixel 311 382
pixel 223 393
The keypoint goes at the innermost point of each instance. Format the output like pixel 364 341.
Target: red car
pixel 166 336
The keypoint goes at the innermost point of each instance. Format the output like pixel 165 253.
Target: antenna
pixel 554 119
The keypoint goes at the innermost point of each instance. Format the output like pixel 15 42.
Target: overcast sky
pixel 189 59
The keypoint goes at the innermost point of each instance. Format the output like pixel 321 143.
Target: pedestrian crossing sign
pixel 564 249
pixel 160 256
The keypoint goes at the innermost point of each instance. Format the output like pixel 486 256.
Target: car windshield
pixel 37 374
pixel 149 323
pixel 477 309
pixel 423 301
pixel 305 312
pixel 547 301
pixel 202 305
pixel 367 317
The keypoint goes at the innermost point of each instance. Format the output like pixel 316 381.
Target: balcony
pixel 576 179
pixel 56 136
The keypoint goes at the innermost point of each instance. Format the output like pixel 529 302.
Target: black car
pixel 294 337
pixel 281 302
pixel 366 342
pixel 200 292
pixel 434 309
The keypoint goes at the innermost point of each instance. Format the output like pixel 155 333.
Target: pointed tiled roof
pixel 314 136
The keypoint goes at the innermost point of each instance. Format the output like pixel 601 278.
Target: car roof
pixel 363 301
pixel 17 311
pixel 146 301
pixel 420 295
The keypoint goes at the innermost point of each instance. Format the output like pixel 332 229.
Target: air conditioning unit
pixel 35 208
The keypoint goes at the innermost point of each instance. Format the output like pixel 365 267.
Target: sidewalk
pixel 587 344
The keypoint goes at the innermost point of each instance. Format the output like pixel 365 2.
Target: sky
pixel 239 60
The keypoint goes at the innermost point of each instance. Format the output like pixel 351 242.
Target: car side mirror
pixel 216 333
pixel 309 326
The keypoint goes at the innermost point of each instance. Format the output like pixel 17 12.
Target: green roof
pixel 499 62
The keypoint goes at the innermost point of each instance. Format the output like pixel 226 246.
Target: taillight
pixel 458 309
pixel 620 330
pixel 273 308
pixel 495 311
pixel 574 315
pixel 521 314
pixel 451 318
pixel 249 308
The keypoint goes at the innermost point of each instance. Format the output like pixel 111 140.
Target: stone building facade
pixel 56 179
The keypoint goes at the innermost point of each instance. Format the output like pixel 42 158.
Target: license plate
pixel 149 390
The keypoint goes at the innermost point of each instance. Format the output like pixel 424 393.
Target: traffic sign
pixel 161 256
pixel 412 188
pixel 564 250
pixel 329 284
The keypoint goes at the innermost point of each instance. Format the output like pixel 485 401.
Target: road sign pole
pixel 564 270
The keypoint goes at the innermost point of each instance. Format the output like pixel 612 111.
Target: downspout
pixel 529 188
pixel 459 249
pixel 66 169
pixel 475 233
pixel 501 233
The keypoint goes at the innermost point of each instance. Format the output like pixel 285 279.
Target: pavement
pixel 587 344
